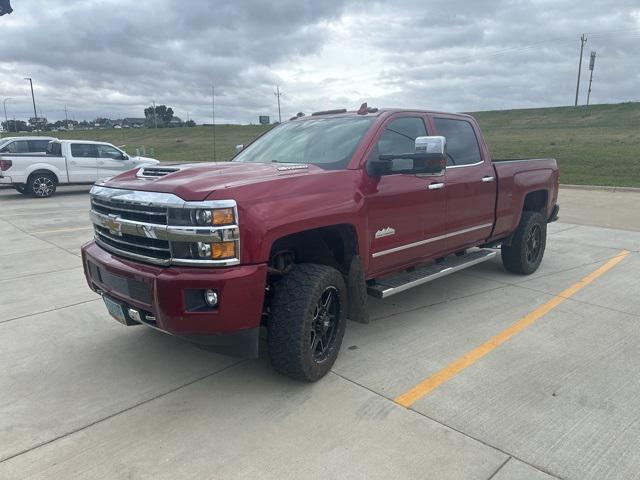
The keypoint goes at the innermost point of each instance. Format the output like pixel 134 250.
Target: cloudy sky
pixel 113 57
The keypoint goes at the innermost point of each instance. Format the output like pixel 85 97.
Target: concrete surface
pixel 84 397
pixel 614 209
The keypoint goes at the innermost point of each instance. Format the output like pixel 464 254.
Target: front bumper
pixel 159 292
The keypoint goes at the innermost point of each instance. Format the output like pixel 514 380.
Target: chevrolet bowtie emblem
pixel 115 227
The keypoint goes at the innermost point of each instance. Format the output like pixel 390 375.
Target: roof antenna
pixel 364 109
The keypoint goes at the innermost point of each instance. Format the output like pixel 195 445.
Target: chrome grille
pixel 155 227
pixel 149 247
pixel 130 211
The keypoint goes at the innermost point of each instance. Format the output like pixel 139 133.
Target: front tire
pixel 528 243
pixel 41 185
pixel 307 321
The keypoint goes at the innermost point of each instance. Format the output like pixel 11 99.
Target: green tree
pixel 163 115
pixel 16 126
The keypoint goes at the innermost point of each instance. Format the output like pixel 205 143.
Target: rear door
pixel 405 215
pixel 111 161
pixel 470 184
pixel 83 163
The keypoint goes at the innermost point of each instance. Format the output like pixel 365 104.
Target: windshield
pixel 326 142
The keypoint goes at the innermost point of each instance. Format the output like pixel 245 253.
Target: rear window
pixel 83 150
pixel 462 144
pixel 38 145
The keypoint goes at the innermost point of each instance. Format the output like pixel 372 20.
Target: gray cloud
pixel 112 58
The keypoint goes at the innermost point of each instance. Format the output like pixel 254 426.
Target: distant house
pixel 133 122
pixel 176 122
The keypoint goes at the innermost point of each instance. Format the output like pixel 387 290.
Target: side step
pixel 387 286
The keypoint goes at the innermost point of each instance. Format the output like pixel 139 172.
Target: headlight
pixel 217 217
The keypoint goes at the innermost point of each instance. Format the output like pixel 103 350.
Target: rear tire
pixel 308 316
pixel 41 185
pixel 528 243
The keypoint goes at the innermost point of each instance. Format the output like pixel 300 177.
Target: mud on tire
pixel 307 321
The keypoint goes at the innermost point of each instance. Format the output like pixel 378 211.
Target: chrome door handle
pixel 487 179
pixel 435 186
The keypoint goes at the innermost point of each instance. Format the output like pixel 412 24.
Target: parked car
pixel 65 162
pixel 24 144
pixel 294 233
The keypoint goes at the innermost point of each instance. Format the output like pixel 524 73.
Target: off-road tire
pixel 293 312
pixel 524 254
pixel 41 185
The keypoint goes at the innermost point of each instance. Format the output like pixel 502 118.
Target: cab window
pixel 38 145
pixel 107 151
pixel 399 137
pixel 83 150
pixel 462 144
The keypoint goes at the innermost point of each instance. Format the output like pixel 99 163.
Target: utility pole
pixel 592 63
pixel 66 118
pixel 33 98
pixel 155 116
pixel 583 40
pixel 6 119
pixel 278 94
pixel 213 118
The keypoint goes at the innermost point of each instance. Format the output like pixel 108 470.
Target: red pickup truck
pixel 291 236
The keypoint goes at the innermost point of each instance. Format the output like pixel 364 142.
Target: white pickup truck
pixel 65 162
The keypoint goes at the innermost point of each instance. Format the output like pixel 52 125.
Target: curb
pixel 601 188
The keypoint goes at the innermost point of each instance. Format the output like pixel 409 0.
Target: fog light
pixel 211 297
pixel 134 314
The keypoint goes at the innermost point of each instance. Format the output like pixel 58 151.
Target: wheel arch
pixel 333 245
pixel 43 171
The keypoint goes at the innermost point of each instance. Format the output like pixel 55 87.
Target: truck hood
pixel 196 181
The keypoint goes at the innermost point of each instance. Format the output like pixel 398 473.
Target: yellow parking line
pixel 425 387
pixel 72 229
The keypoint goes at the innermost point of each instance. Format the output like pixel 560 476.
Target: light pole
pixel 35 113
pixel 6 119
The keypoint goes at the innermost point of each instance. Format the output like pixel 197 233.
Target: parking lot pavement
pixel 84 397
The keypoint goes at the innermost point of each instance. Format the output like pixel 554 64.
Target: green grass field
pixel 595 145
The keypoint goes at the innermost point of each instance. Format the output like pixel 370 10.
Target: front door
pixel 112 161
pixel 405 215
pixel 82 165
pixel 470 185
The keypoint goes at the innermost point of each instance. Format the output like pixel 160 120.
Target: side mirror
pixel 239 148
pixel 124 156
pixel 430 157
